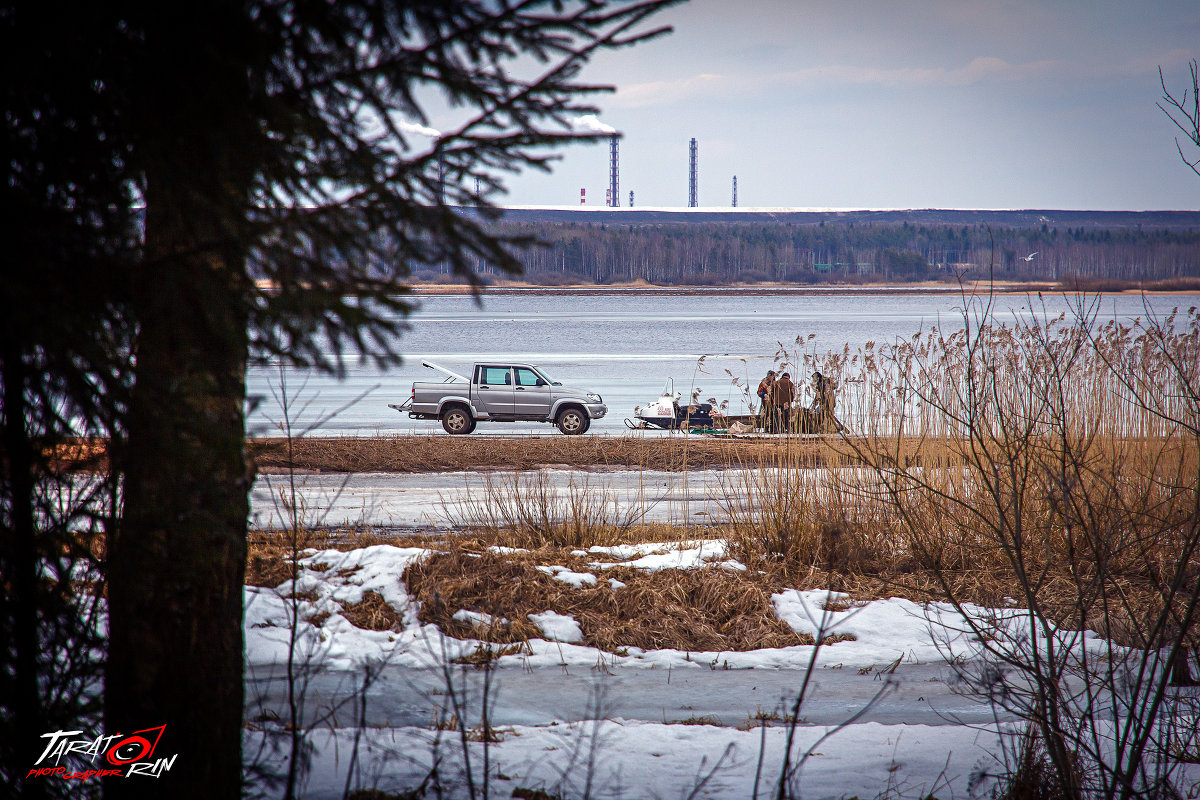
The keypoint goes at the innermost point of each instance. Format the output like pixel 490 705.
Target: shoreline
pixel 833 290
pixel 974 289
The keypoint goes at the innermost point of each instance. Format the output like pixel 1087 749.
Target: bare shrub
pixel 1076 448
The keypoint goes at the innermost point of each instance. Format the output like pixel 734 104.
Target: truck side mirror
pixel 540 382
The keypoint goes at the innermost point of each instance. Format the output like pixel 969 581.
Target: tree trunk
pixel 18 562
pixel 177 560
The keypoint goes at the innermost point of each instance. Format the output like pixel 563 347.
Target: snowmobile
pixel 668 413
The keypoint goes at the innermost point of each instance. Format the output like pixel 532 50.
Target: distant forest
pixel 712 253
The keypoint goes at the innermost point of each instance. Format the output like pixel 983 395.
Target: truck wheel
pixel 456 420
pixel 572 422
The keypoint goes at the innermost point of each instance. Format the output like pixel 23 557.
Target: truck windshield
pixel 546 377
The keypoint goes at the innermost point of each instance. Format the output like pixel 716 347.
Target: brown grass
pixel 708 609
pixel 269 553
pixel 373 613
pixel 704 609
pixel 438 453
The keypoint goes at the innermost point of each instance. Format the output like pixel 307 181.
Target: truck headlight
pixel 595 398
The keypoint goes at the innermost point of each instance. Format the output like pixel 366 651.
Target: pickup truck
pixel 502 392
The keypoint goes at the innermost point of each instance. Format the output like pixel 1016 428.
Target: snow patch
pixel 576 579
pixel 653 557
pixel 478 619
pixel 557 627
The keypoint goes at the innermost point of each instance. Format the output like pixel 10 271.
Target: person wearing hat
pixel 783 393
pixel 764 399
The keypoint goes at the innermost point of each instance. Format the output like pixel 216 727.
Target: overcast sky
pixel 895 104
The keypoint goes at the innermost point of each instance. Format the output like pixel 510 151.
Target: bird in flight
pixel 1030 256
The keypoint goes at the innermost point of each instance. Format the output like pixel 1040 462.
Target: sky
pixel 891 104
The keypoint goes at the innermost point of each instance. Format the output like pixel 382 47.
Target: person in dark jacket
pixel 825 403
pixel 783 393
pixel 765 402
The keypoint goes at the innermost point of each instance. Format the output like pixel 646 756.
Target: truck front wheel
pixel 457 420
pixel 573 422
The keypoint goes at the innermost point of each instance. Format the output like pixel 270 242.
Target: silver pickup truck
pixel 502 392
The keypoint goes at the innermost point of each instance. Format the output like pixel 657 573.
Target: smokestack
pixel 735 191
pixel 692 176
pixel 631 198
pixel 582 196
pixel 614 159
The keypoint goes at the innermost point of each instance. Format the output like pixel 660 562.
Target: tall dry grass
pixel 952 438
pixel 1114 379
pixel 530 512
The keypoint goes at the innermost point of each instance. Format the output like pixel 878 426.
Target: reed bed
pixel 1111 380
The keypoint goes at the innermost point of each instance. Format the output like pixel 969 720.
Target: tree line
pixel 712 253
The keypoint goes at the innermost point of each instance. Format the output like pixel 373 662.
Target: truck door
pixel 533 400
pixel 494 390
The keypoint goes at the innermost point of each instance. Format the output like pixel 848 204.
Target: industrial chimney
pixel 614 161
pixel 735 191
pixel 692 177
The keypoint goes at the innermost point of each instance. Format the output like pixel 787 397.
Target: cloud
pixel 978 70
pixel 637 95
pixel 707 85
pixel 591 124
pixel 421 130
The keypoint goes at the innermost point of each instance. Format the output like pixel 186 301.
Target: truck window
pixel 526 377
pixel 495 376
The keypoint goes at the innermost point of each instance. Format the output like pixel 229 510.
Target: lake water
pixel 623 346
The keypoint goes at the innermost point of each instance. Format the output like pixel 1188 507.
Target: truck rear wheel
pixel 573 422
pixel 457 420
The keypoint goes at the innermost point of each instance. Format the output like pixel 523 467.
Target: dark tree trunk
pixel 18 562
pixel 1181 673
pixel 177 561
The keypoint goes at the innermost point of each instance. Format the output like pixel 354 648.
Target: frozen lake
pixel 436 499
pixel 624 346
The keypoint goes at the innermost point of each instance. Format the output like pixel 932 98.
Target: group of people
pixel 777 395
